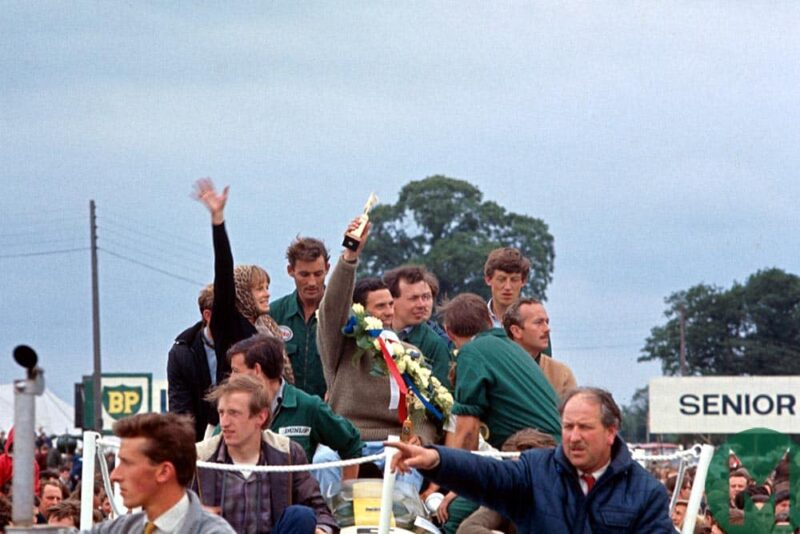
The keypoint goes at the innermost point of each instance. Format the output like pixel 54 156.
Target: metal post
pixel 387 495
pixel 678 485
pixel 87 478
pixel 698 487
pixel 25 392
pixel 24 422
pixel 97 405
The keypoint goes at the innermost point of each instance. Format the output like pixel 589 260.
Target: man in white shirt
pixel 156 464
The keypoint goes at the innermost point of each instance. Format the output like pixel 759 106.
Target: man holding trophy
pixel 354 391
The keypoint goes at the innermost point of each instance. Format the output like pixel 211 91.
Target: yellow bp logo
pixel 122 401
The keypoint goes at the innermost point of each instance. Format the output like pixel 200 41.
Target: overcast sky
pixel 659 142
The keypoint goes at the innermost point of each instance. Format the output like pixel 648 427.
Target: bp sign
pixel 122 395
pixel 122 401
pixel 760 450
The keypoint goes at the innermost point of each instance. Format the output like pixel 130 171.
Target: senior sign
pixel 724 404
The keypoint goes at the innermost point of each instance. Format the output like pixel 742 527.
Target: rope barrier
pixel 100 445
pixel 497 454
pixel 290 468
pixel 693 452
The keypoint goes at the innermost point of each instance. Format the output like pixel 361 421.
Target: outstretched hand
pixel 412 457
pixel 215 202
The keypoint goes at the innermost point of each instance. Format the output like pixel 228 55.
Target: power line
pixel 160 231
pixel 151 267
pixel 70 213
pixel 53 228
pixel 597 347
pixel 40 242
pixel 159 257
pixel 44 253
pixel 164 249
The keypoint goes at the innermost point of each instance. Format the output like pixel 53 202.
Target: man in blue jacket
pixel 588 484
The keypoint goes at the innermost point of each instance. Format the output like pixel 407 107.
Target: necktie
pixel 589 479
pixel 149 527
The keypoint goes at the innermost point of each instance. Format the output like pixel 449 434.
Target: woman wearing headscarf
pixel 241 294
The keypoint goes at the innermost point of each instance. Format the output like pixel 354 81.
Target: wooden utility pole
pixel 97 402
pixel 682 311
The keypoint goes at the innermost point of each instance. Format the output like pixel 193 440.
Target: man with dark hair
pixel 496 381
pixel 355 392
pixel 156 464
pixel 506 271
pixel 373 293
pixel 526 323
pixel 64 514
pixel 589 483
pixel 248 500
pixel 413 301
pixel 192 368
pixel 296 313
pixel 304 418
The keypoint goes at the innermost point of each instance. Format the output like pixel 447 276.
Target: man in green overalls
pixel 296 313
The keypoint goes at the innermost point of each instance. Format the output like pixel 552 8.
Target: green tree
pixel 634 417
pixel 444 224
pixel 749 329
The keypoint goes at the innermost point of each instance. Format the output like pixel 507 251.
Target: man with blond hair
pixel 251 501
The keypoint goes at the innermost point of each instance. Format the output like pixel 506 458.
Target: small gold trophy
pixel 408 425
pixel 353 239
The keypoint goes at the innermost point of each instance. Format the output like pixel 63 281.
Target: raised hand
pixel 352 255
pixel 215 202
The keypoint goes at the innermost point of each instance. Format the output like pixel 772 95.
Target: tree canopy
pixel 749 329
pixel 444 224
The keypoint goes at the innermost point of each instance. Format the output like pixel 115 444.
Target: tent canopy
pixel 52 413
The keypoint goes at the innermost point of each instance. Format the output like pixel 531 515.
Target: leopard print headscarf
pixel 246 305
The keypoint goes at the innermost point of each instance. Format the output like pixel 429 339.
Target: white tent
pixel 52 413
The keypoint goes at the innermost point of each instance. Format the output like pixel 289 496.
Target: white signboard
pixel 724 404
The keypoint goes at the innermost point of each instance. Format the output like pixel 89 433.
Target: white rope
pixel 497 454
pixel 290 468
pixel 691 453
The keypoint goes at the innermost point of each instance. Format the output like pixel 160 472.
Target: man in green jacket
pixel 296 313
pixel 303 418
pixel 412 300
pixel 497 384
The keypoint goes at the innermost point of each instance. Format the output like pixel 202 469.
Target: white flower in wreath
pixel 358 309
pixel 372 323
pixel 398 350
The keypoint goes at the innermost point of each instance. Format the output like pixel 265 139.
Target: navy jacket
pixel 540 492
